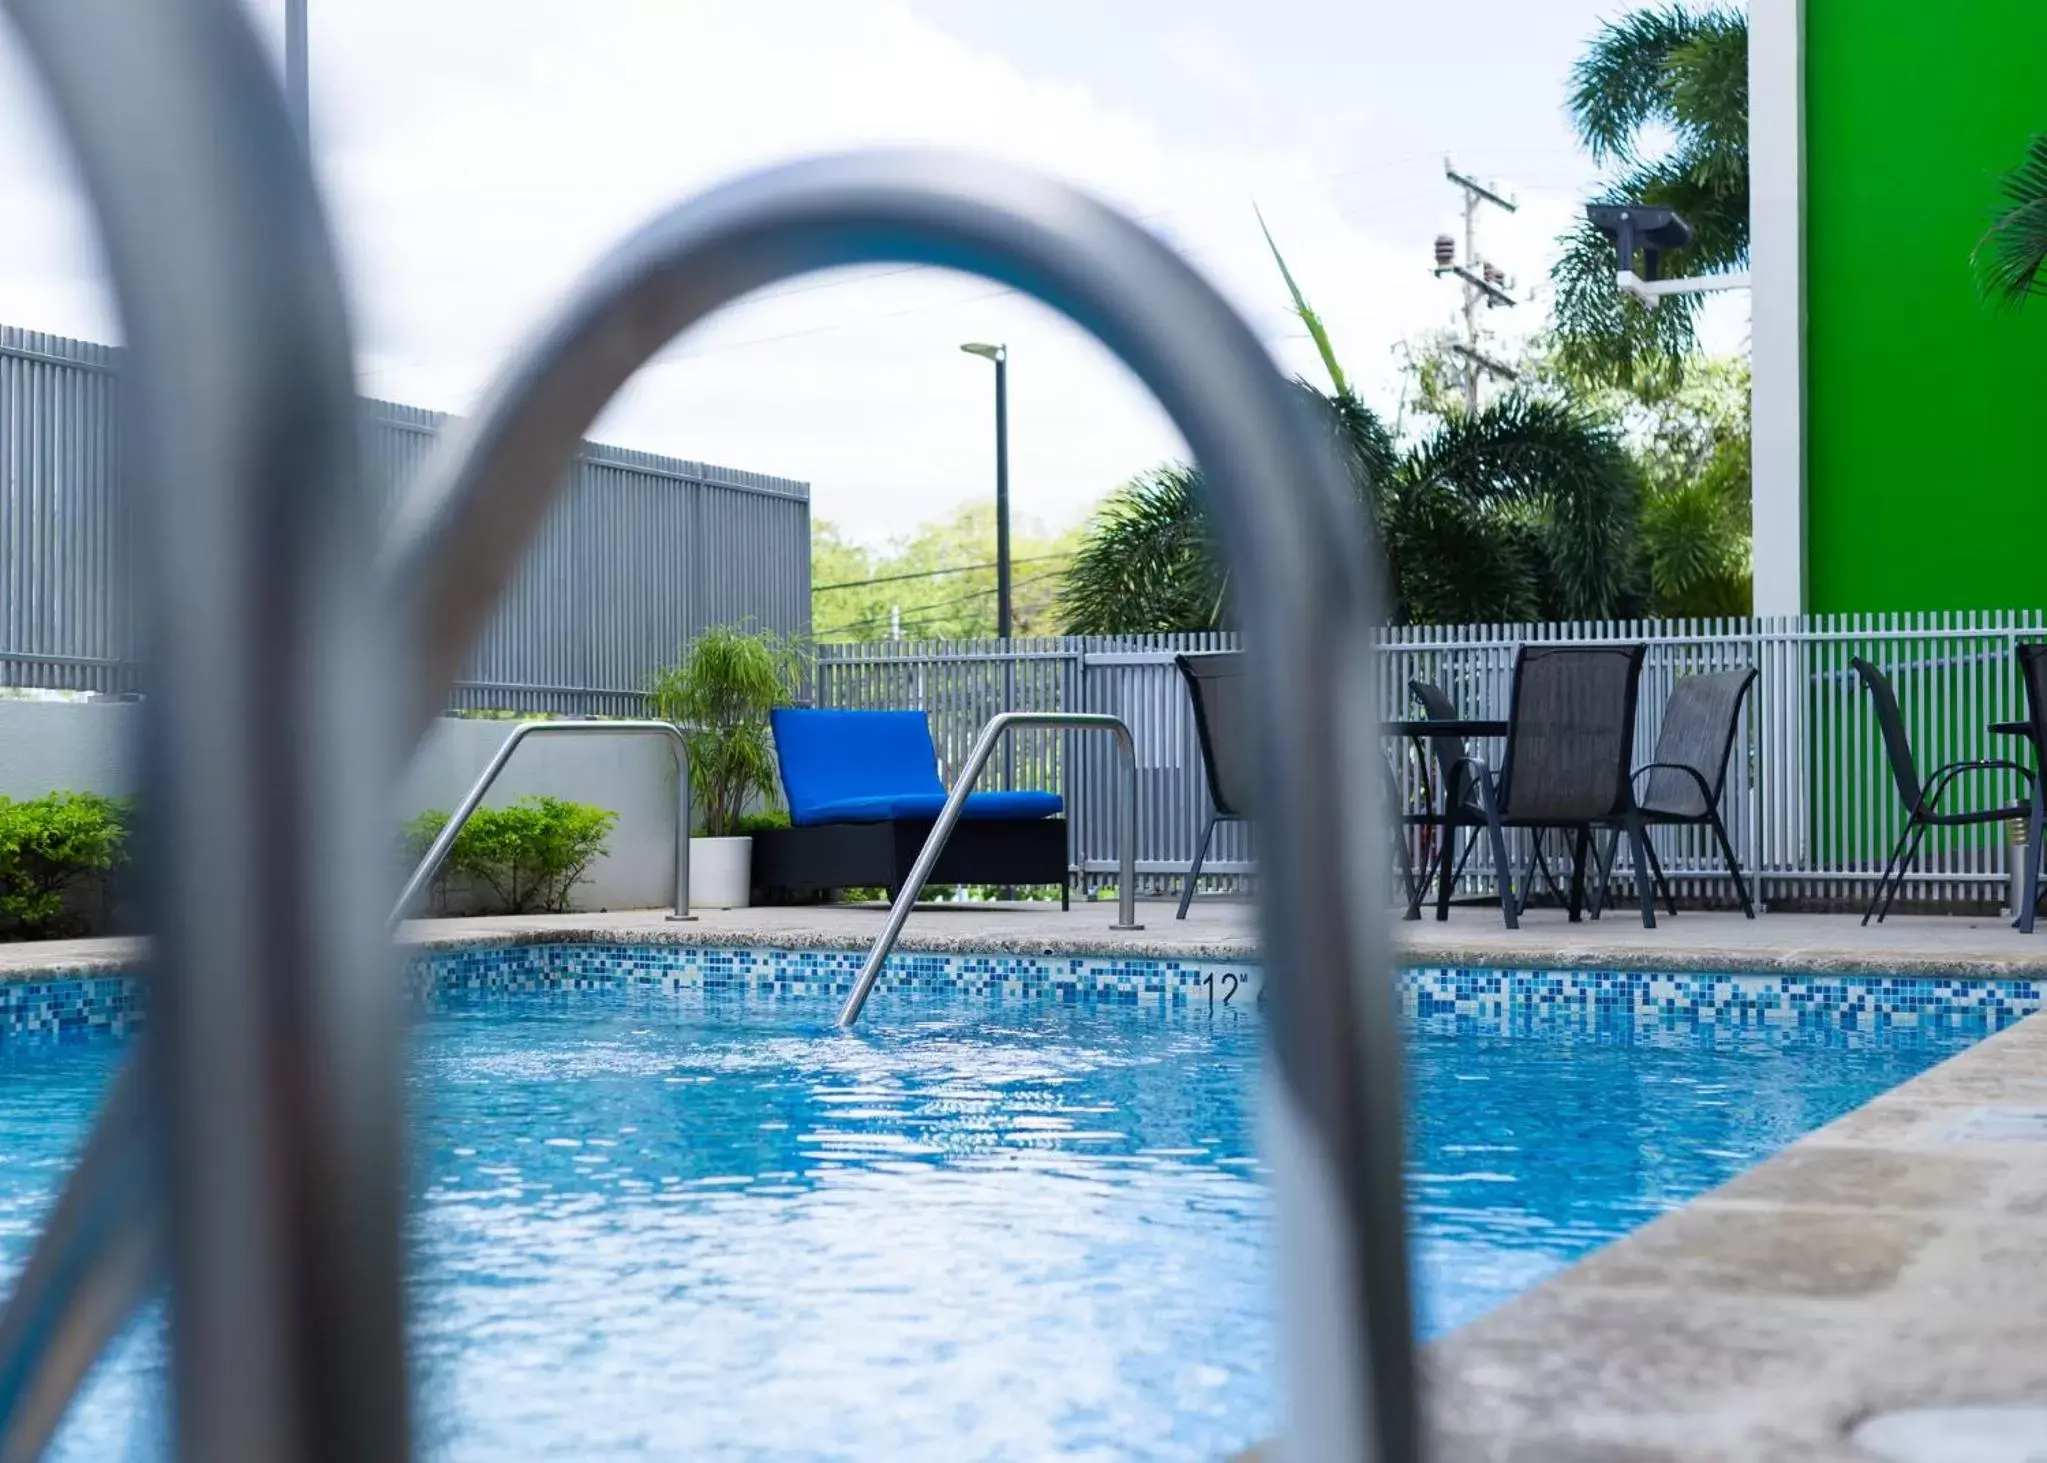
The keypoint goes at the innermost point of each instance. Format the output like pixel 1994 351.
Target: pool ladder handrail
pixel 271 1100
pixel 955 804
pixel 437 852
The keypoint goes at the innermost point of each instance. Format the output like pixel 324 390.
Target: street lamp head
pixel 1632 226
pixel 986 351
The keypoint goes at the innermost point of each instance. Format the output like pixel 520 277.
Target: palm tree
pixel 1146 565
pixel 1675 72
pixel 1523 510
pixel 2014 252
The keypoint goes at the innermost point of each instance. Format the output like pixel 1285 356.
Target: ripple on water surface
pixel 662 1227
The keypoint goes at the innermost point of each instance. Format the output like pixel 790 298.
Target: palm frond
pixel 2010 258
pixel 1306 313
pixel 1559 471
pixel 1622 83
pixel 1605 338
pixel 1147 564
pixel 1362 439
pixel 1708 90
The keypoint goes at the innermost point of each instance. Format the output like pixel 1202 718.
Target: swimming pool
pixel 657 1218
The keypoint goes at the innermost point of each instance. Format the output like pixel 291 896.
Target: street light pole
pixel 999 354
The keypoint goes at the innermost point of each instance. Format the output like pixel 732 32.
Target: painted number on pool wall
pixel 1231 984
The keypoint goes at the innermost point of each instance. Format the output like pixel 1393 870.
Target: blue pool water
pixel 656 1225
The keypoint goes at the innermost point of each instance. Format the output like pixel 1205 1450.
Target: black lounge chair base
pixel 794 865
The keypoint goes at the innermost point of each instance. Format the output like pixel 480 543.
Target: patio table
pixel 1419 731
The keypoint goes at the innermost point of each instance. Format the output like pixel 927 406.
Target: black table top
pixel 1464 726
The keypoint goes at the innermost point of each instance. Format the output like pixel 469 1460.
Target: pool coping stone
pixel 1696 943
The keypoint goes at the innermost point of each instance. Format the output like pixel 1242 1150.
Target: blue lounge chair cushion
pixel 874 766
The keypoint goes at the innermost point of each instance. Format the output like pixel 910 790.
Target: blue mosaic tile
pixel 1843 1002
pixel 67 1005
pixel 831 973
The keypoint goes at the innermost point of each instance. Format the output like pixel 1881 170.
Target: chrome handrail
pixel 437 852
pixel 955 804
pixel 268 1104
pixel 273 1054
pixel 1288 521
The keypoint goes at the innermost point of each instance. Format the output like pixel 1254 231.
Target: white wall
pixel 632 776
pixel 67 746
pixel 76 746
pixel 1777 301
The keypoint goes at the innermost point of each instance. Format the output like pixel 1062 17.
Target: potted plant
pixel 720 693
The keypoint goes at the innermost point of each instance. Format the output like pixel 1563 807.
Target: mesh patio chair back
pixel 2033 671
pixel 1891 722
pixel 1215 682
pixel 1699 722
pixel 1571 733
pixel 1449 752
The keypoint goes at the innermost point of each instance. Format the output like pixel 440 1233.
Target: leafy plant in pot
pixel 720 693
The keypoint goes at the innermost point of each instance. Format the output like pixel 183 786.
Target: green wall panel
pixel 1926 403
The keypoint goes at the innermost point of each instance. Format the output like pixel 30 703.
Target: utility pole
pixel 1483 283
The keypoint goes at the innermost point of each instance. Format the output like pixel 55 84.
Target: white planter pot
pixel 720 873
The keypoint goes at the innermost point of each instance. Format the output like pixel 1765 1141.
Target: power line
pixel 930 573
pixel 925 612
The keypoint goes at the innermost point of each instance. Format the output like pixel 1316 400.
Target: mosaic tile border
pixel 1818 1000
pixel 69 1004
pixel 831 973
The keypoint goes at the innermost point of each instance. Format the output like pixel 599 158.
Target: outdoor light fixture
pixel 986 351
pixel 1639 227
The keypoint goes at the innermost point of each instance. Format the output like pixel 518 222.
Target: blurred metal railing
pixel 268 1115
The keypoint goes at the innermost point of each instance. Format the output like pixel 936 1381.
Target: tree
pixel 938 582
pixel 1679 73
pixel 1692 445
pixel 1523 510
pixel 1146 564
pixel 2014 252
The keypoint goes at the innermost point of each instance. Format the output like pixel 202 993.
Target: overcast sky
pixel 478 155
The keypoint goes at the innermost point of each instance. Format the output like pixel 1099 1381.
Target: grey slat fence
pixel 1810 805
pixel 642 552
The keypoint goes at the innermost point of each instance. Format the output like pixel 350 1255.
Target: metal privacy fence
pixel 641 553
pixel 1811 805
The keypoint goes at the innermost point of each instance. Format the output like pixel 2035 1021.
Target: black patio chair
pixel 2033 673
pixel 1687 776
pixel 1922 800
pixel 1450 753
pixel 1214 682
pixel 1570 740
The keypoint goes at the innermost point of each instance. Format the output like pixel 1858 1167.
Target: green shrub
pixel 773 820
pixel 47 845
pixel 529 856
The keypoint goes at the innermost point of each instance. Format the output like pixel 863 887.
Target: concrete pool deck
pixel 1216 930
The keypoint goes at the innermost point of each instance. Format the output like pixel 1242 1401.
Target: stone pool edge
pixel 1525 950
pixel 1889 1259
